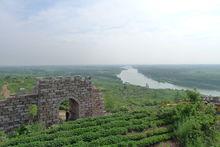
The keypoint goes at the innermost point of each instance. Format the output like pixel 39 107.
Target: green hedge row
pixel 90 129
pixel 68 130
pixel 97 139
pixel 89 134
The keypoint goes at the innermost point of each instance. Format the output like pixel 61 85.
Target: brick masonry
pixel 47 95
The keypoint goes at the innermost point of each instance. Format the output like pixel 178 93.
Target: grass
pixel 120 96
pixel 18 83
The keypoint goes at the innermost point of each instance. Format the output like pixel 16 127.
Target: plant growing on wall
pixel 32 111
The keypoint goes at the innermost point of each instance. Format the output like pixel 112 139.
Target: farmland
pixel 134 128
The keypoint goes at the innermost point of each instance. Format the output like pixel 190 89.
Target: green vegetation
pixel 27 129
pixel 64 105
pixel 194 76
pixel 117 95
pixel 32 111
pixel 195 122
pixel 18 83
pixel 138 116
pixel 23 79
pixel 190 122
pixel 3 137
pixel 120 96
pixel 143 127
pixel 218 130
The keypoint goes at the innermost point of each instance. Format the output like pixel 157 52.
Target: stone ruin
pixel 213 100
pixel 85 101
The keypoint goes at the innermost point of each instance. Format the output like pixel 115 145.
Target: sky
pixel 75 32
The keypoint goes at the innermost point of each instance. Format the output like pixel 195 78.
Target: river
pixel 132 76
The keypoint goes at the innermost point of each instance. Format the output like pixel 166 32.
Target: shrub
pixel 195 124
pixel 23 130
pixel 3 137
pixel 32 110
pixel 193 96
pixel 36 127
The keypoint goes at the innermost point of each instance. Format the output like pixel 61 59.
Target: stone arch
pixel 47 95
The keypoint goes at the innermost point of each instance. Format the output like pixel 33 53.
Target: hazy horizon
pixel 38 65
pixel 109 32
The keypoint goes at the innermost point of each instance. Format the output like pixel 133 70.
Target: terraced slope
pixel 141 128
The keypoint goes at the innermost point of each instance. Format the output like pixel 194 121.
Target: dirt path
pixel 5 92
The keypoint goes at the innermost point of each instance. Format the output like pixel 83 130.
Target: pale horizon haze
pixel 81 32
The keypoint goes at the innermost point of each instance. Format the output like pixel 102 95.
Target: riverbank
pixel 133 76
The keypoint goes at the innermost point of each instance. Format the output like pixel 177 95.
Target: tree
pixel 193 96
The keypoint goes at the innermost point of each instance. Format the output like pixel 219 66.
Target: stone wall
pixel 48 95
pixel 215 101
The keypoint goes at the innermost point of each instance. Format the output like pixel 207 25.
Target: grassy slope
pixel 194 76
pixel 118 96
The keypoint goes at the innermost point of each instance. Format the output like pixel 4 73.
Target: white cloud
pixel 111 32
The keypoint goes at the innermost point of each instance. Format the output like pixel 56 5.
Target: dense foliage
pixel 195 122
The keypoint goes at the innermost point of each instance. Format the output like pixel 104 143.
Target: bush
pixel 27 129
pixel 32 110
pixel 23 130
pixel 37 127
pixel 3 137
pixel 64 105
pixel 193 96
pixel 195 124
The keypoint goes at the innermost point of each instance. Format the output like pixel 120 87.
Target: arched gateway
pixel 85 101
pixel 73 109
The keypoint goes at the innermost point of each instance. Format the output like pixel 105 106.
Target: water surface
pixel 132 76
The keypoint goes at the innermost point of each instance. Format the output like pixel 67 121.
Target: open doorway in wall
pixel 69 110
